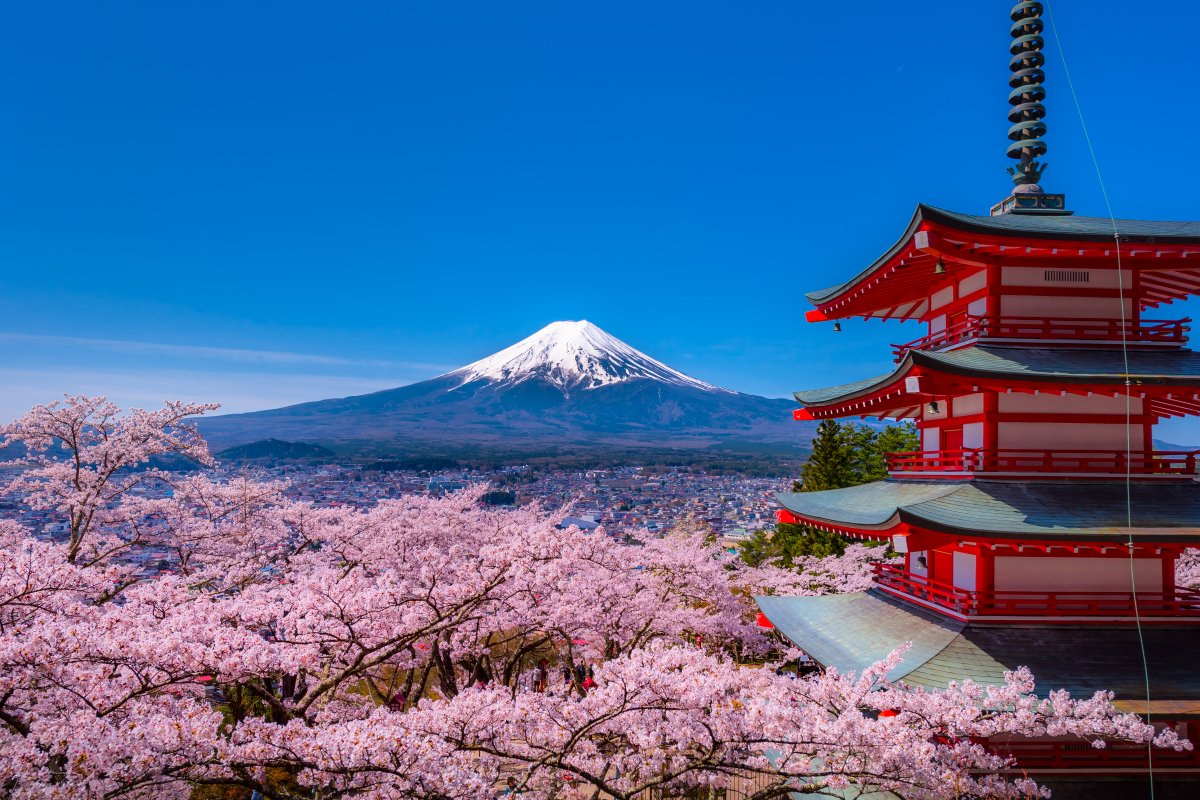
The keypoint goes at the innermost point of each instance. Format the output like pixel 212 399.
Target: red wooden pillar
pixel 985 570
pixel 991 425
pixel 1168 570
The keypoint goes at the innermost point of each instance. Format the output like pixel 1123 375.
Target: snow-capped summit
pixel 573 355
pixel 567 390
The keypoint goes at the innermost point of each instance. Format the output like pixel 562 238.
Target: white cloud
pixel 232 354
pixel 235 391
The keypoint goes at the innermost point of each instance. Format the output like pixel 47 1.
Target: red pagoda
pixel 1038 525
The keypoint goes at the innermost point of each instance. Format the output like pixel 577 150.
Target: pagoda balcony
pixel 1063 332
pixel 970 462
pixel 1020 607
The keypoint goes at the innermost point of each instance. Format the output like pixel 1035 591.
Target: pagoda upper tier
pixel 1160 383
pixel 1024 267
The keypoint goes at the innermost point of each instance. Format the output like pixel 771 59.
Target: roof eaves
pixel 946 362
pixel 824 295
pixel 832 395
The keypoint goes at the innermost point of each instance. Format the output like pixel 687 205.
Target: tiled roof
pixel 1055 226
pixel 873 504
pixel 1075 365
pixel 851 631
pixel 1062 509
pixel 818 396
pixel 1069 365
pixel 1060 227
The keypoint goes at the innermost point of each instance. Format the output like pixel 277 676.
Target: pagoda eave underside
pixel 1163 380
pixel 1074 513
pixel 899 284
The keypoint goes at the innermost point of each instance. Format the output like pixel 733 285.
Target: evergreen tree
pixel 843 454
pixel 831 465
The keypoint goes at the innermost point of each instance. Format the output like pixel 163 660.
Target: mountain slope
pixel 570 386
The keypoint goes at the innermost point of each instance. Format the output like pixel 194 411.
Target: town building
pixel 1038 526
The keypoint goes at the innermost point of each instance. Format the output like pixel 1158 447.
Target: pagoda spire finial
pixel 1026 114
pixel 1027 94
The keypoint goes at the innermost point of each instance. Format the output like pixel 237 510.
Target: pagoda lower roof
pixel 966 239
pixel 1027 364
pixel 981 509
pixel 852 631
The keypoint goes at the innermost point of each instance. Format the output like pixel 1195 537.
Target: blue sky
pixel 266 203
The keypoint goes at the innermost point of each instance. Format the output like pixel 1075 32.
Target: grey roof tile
pixel 1043 510
pixel 1082 660
pixel 1029 226
pixel 1058 365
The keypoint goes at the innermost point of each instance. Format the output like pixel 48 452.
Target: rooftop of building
pixel 1027 363
pixel 852 631
pixel 1055 229
pixel 1063 510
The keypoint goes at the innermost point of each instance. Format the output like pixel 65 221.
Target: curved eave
pixel 1064 511
pixel 823 296
pixel 1143 368
pixel 1004 367
pixel 837 395
pixel 906 298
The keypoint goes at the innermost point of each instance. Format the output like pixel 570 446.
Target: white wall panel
pixel 941 298
pixel 930 439
pixel 972 283
pixel 973 435
pixel 1036 276
pixel 1064 436
pixel 1055 307
pixel 1017 403
pixel 967 405
pixel 1075 574
pixel 964 571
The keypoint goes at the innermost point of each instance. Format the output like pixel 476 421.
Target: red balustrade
pixel 1034 462
pixel 1063 331
pixel 1114 757
pixel 1180 603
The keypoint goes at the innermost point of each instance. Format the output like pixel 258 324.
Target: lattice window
pixel 1067 276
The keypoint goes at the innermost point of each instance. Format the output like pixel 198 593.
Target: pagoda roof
pixel 1050 510
pixel 967 241
pixel 852 631
pixel 1010 364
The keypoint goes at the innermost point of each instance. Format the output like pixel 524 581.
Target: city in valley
pixel 626 502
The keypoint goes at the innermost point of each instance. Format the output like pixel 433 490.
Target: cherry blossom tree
pixel 1187 569
pixel 386 652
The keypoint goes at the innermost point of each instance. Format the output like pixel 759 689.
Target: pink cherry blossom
pixel 417 649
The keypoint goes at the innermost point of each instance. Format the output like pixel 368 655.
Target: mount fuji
pixel 569 388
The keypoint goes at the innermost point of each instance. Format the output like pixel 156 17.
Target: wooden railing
pixel 1091 462
pixel 1113 757
pixel 1180 603
pixel 1084 331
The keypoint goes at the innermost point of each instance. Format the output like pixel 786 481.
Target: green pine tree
pixel 831 465
pixel 843 454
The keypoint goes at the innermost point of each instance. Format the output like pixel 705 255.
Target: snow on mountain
pixel 573 355
pixel 570 388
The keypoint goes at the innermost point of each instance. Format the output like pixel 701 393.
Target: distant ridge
pixel 275 448
pixel 569 388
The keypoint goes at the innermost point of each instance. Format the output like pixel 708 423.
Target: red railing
pixel 1176 604
pixel 1113 757
pixel 1091 462
pixel 971 328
